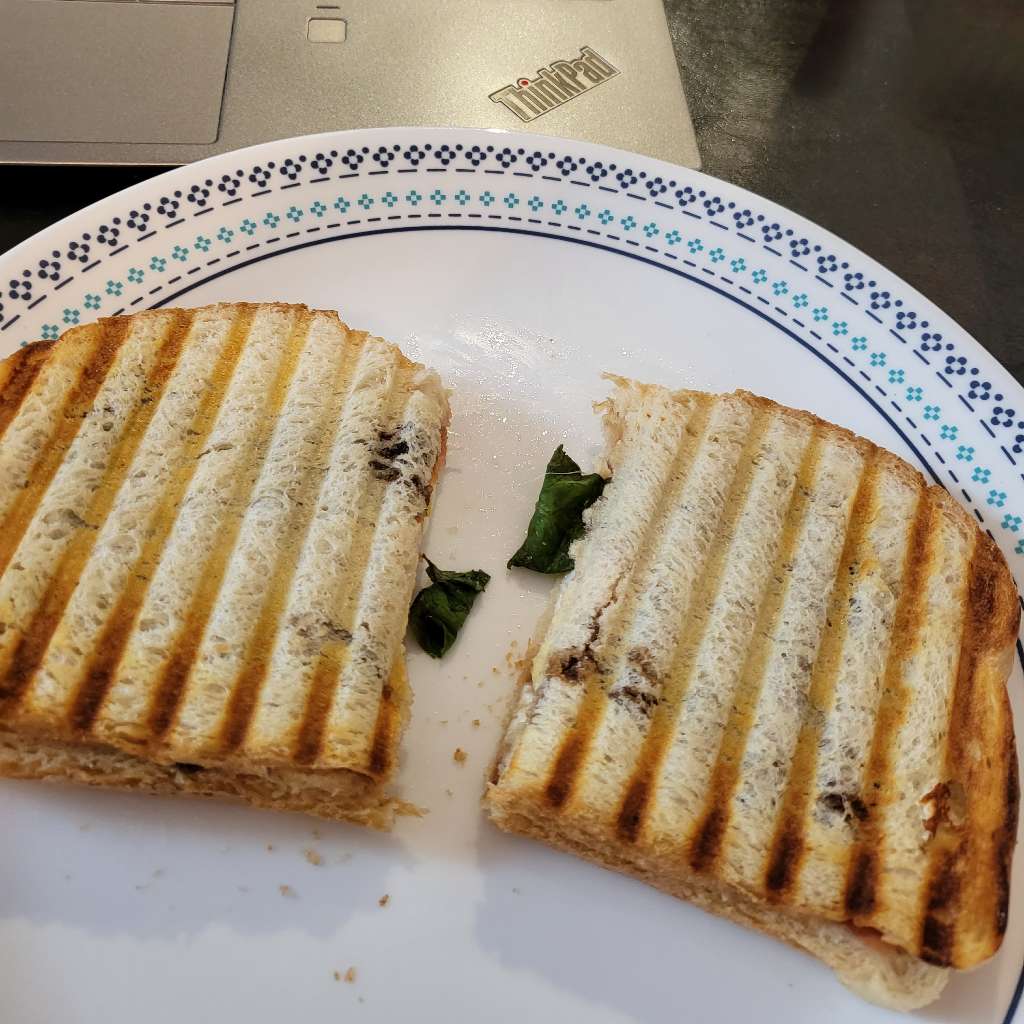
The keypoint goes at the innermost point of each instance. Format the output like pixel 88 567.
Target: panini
pixel 775 685
pixel 210 533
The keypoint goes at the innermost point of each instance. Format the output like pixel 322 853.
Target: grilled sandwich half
pixel 210 524
pixel 775 685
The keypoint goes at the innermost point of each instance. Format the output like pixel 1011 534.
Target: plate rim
pixel 542 141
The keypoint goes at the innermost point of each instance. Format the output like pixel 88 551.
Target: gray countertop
pixel 893 123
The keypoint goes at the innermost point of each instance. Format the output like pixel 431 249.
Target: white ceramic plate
pixel 520 267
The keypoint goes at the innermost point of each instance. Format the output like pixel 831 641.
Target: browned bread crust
pixel 335 796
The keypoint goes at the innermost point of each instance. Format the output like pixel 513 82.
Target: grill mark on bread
pixel 389 720
pixel 954 839
pixel 19 373
pixel 788 844
pixel 259 651
pixel 707 839
pixel 708 582
pixel 862 881
pixel 383 736
pixel 330 664
pixel 171 683
pixel 332 661
pixel 865 860
pixel 572 754
pixel 35 639
pixel 120 623
pixel 939 919
pixel 109 336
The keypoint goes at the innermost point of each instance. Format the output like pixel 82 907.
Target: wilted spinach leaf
pixel 558 516
pixel 438 611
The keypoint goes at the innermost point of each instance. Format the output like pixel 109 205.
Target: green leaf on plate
pixel 439 611
pixel 558 516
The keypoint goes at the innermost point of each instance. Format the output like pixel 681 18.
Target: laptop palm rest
pixel 100 71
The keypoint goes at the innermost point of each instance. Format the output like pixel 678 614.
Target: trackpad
pixel 108 71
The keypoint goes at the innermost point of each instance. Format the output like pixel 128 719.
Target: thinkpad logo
pixel 559 82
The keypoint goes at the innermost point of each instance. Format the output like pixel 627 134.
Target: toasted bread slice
pixel 210 530
pixel 774 684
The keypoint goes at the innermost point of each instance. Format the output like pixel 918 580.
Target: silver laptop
pixel 171 81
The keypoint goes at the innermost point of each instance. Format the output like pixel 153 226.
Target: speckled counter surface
pixel 894 123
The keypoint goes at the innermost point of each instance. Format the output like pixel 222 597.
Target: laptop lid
pixel 172 82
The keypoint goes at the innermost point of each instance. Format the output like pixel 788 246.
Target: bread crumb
pixel 444 721
pixel 286 890
pixel 337 975
pixel 350 975
pixel 459 756
pixel 449 792
pixel 384 900
pixel 314 858
pixel 495 670
pixel 512 658
pixel 476 723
